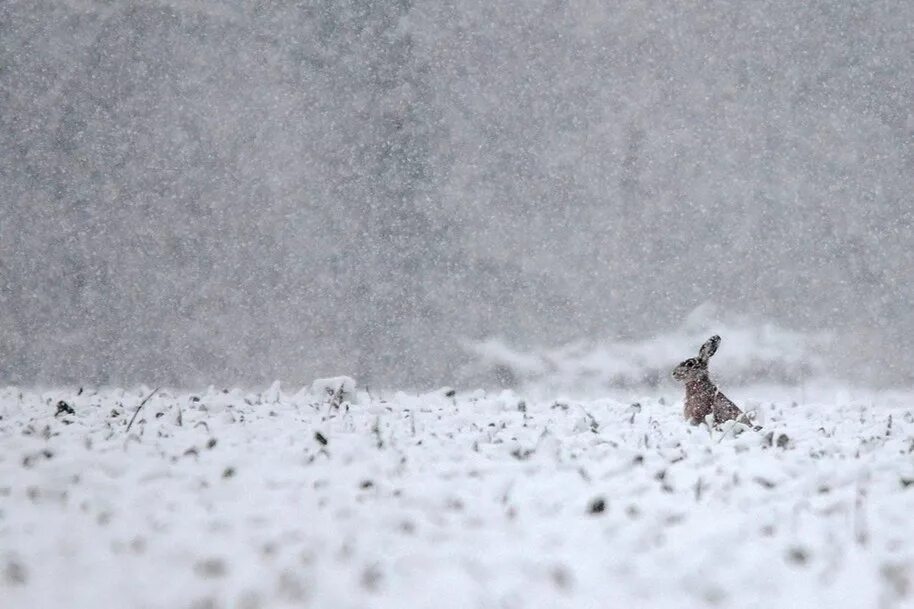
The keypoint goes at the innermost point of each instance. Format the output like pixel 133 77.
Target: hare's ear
pixel 709 348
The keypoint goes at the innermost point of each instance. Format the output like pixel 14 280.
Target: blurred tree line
pixel 232 192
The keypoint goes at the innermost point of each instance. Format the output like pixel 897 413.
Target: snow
pixel 752 351
pixel 232 499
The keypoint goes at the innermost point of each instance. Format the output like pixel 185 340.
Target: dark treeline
pixel 232 192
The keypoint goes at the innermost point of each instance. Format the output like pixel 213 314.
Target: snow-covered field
pixel 294 499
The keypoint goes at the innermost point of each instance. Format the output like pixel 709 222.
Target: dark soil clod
pixel 597 506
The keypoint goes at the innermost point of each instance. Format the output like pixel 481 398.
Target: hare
pixel 702 395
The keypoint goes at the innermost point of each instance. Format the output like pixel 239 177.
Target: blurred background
pixel 428 192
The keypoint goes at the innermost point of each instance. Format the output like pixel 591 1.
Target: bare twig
pixel 591 420
pixel 143 403
pixel 376 430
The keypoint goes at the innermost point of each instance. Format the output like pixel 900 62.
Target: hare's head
pixel 696 368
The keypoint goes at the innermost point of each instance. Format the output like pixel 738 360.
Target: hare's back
pixel 725 409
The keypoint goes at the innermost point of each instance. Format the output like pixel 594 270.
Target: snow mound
pixel 340 388
pixel 751 352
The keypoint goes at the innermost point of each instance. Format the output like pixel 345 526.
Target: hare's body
pixel 702 395
pixel 704 398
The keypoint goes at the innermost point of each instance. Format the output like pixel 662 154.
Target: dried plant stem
pixel 143 403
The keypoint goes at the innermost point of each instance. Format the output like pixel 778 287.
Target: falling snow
pixel 444 256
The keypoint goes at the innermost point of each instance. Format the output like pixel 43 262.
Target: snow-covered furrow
pixel 228 499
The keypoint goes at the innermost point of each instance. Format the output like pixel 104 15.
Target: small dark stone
pixel 897 577
pixel 366 484
pixel 783 440
pixel 561 577
pixel 64 408
pixel 450 393
pixel 906 482
pixel 211 442
pixel 764 482
pixel 229 472
pixel 798 555
pixel 522 454
pixel 371 578
pixel 597 505
pixel 320 438
pixel 408 527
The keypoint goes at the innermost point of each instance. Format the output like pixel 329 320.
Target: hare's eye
pixel 690 364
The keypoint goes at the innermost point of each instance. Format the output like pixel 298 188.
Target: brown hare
pixel 702 395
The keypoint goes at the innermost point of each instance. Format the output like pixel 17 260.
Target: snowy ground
pixel 232 500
